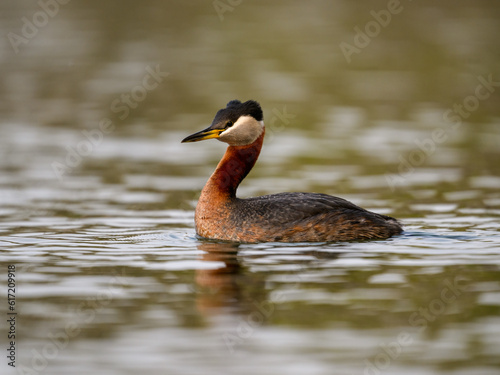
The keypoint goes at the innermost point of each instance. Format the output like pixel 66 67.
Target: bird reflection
pixel 232 288
pixel 219 287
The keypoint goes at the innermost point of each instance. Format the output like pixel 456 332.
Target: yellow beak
pixel 202 135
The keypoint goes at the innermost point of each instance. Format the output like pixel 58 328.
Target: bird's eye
pixel 229 124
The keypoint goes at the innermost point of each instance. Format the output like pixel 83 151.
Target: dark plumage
pixel 305 217
pixel 235 109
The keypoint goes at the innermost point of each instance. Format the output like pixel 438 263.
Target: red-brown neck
pixel 234 166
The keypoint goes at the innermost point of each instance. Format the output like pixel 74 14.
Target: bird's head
pixel 238 124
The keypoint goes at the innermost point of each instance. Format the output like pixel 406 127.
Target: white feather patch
pixel 245 131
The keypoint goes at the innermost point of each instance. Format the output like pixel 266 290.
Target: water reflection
pixel 232 288
pixel 219 287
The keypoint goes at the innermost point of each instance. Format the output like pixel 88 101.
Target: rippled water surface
pixel 97 194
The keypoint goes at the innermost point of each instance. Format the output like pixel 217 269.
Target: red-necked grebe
pixel 283 217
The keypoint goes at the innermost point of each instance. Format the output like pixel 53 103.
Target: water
pixel 97 193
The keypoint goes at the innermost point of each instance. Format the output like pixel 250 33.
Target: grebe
pixel 283 217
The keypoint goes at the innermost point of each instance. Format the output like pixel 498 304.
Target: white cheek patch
pixel 245 131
